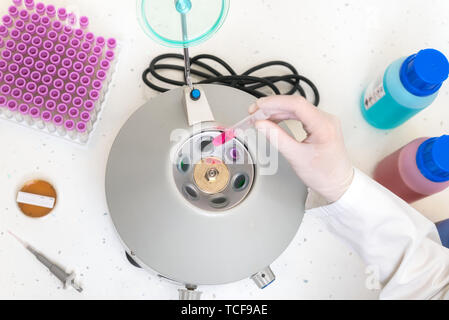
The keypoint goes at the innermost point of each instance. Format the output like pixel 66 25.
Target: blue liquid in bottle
pixel 408 86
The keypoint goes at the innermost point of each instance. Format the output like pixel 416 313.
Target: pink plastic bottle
pixel 418 170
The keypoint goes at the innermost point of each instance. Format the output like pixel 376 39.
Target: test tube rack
pixel 54 72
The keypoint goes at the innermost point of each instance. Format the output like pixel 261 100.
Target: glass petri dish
pixel 165 20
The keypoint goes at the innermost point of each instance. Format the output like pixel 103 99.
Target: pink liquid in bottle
pixel 416 171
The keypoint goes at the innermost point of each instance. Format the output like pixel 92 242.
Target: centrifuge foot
pixel 264 278
pixel 189 293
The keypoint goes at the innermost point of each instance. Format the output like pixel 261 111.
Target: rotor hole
pixel 219 202
pixel 191 192
pixel 240 182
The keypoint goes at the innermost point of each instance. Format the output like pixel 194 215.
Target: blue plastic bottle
pixel 443 230
pixel 408 86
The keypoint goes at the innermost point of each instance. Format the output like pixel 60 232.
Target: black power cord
pixel 245 82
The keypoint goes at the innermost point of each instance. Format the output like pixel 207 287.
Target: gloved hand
pixel 321 160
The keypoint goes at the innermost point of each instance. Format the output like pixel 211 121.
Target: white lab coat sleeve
pixel 392 238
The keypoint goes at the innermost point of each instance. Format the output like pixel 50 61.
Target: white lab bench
pixel 340 45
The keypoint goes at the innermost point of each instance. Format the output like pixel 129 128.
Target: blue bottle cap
pixel 432 159
pixel 422 74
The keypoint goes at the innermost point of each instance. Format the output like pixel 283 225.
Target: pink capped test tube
pixel 53 36
pixel 18 58
pixel 70 87
pixel 51 69
pixel 19 25
pixel 84 22
pixel 45 21
pixel 43 90
pixel 28 98
pixel 86 47
pixel 89 70
pixel 35 18
pixel 59 49
pixel 101 41
pixel 24 109
pixel 29 4
pixel 35 76
pixel 62 108
pixel 68 30
pixel 75 43
pixel 26 37
pixel 85 81
pixel 44 55
pixel 13 11
pixel 74 113
pixel 41 31
pixel 4 31
pixel 93 61
pixel 89 105
pixel 46 119
pixel 24 15
pixel 9 79
pixel 7 20
pixel 67 63
pixel 98 51
pixel 55 94
pixel 17 3
pixel 109 55
pixel 74 76
pixel 6 55
pixel 37 42
pixel 30 28
pixel 48 45
pixel 81 92
pixel 50 105
pixel 58 84
pixel 77 102
pixel 3 65
pixel 51 11
pixel 101 75
pixel 57 25
pixel 47 79
pixel 94 95
pixel 64 39
pixel 38 101
pixel 81 128
pixel 10 45
pixel 62 14
pixel 69 126
pixel 66 98
pixel 24 71
pixel 63 73
pixel 13 68
pixel 90 37
pixel 58 121
pixel 40 66
pixel 35 114
pixel 40 8
pixel 81 56
pixel 33 51
pixel 31 87
pixel 28 62
pixel 79 34
pixel 16 93
pixel 70 53
pixel 5 89
pixel 15 34
pixel 21 48
pixel 20 83
pixel 11 108
pixel 112 43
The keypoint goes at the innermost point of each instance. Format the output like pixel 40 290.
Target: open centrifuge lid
pixel 163 20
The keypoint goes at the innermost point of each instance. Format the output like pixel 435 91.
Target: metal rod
pixel 185 37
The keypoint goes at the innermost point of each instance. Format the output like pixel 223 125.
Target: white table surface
pixel 341 45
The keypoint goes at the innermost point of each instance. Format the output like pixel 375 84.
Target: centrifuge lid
pixel 161 20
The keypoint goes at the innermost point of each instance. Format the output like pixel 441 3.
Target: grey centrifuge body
pixel 163 231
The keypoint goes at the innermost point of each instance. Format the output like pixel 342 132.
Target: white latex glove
pixel 321 160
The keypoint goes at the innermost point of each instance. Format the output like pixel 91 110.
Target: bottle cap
pixel 422 74
pixel 432 159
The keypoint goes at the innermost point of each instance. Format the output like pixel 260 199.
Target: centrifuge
pixel 192 212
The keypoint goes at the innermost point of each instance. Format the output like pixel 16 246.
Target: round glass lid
pixel 181 23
